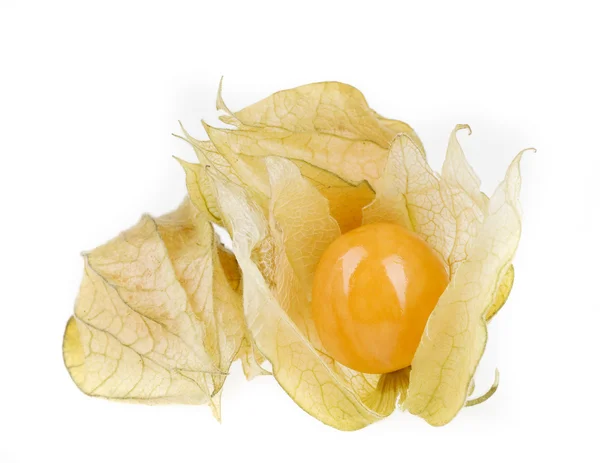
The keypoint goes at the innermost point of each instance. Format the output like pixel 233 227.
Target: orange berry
pixel 373 292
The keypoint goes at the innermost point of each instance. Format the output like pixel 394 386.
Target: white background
pixel 89 95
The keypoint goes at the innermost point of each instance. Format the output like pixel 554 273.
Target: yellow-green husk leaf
pixel 156 320
pixel 456 332
pixel 278 312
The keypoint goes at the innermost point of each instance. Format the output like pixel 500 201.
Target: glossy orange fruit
pixel 373 292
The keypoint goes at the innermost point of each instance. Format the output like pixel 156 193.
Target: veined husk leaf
pixel 502 293
pixel 252 360
pixel 444 210
pixel 334 137
pixel 327 124
pixel 156 319
pixel 477 238
pixel 242 170
pixel 346 201
pixel 298 228
pixel 456 332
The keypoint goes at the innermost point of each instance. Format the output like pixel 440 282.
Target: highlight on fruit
pixel 358 277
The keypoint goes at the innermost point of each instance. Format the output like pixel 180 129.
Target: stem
pixel 488 394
